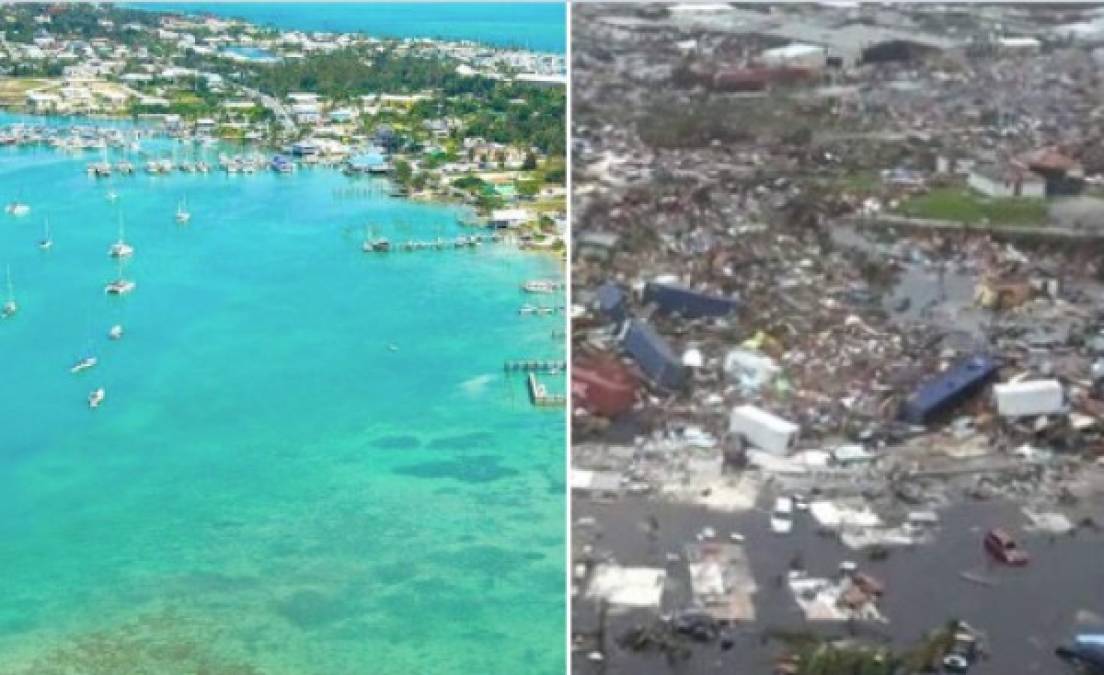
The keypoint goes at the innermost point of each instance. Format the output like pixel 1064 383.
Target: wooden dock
pixel 539 396
pixel 533 366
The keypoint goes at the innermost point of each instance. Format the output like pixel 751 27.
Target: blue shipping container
pixel 687 303
pixel 949 388
pixel 611 301
pixel 654 356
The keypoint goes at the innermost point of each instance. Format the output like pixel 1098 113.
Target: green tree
pixel 403 171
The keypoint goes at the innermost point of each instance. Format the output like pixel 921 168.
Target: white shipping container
pixel 762 429
pixel 1028 398
pixel 794 55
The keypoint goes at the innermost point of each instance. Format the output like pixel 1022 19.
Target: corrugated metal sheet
pixel 671 299
pixel 949 388
pixel 654 356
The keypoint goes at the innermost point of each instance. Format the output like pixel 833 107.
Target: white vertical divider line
pixel 568 235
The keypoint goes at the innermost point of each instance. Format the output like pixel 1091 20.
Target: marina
pixel 226 413
pixel 222 439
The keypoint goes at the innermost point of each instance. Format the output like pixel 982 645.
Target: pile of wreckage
pixel 766 342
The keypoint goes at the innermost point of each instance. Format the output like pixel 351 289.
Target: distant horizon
pixel 537 26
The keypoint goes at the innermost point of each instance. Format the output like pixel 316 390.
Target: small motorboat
pixel 116 332
pixel 96 398
pixel 84 364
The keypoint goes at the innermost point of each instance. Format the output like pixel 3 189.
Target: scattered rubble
pixel 792 243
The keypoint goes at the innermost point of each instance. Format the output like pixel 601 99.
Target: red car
pixel 1003 547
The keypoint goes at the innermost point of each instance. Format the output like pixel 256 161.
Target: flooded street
pixel 1023 613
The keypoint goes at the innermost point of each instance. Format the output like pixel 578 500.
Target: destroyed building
pixel 855 293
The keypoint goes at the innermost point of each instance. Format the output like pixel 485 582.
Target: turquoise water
pixel 539 26
pixel 269 487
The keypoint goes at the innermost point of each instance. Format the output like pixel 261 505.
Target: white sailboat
pixel 84 364
pixel 47 241
pixel 116 332
pixel 121 285
pixel 182 215
pixel 10 307
pixel 121 249
pixel 96 398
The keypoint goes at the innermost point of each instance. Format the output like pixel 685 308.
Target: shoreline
pixel 169 8
pixel 437 198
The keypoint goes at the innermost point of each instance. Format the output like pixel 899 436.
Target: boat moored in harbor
pixel 47 242
pixel 120 249
pixel 182 214
pixel 378 245
pixel 120 287
pixel 10 307
pixel 84 364
pixel 281 164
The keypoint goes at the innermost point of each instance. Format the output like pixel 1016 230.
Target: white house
pixel 303 98
pixel 42 102
pixel 510 218
pixel 1005 180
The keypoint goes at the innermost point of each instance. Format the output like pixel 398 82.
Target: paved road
pixel 272 104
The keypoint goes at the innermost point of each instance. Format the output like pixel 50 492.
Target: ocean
pixel 309 460
pixel 537 26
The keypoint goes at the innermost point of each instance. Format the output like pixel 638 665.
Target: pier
pixel 539 396
pixel 439 244
pixel 533 366
pixel 540 310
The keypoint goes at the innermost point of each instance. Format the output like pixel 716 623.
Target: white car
pixel 781 519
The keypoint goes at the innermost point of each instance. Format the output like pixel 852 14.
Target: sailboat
pixel 47 241
pixel 116 332
pixel 121 285
pixel 376 243
pixel 9 308
pixel 96 398
pixel 112 195
pixel 84 364
pixel 120 249
pixel 182 215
